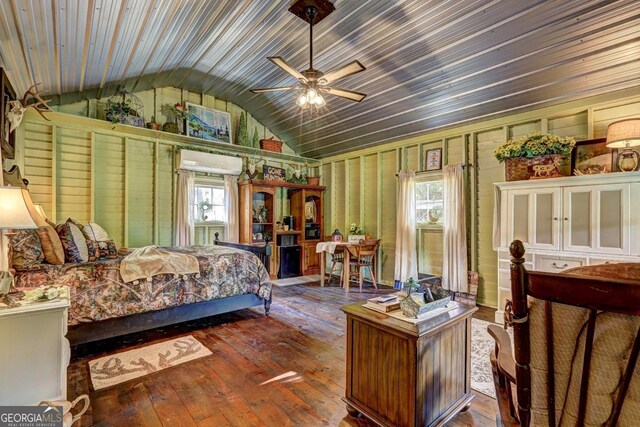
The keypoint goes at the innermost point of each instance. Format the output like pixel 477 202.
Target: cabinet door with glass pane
pixel 596 218
pixel 533 217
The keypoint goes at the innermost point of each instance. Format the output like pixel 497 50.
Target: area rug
pixel 481 347
pixel 120 367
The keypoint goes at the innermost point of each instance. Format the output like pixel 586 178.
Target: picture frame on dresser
pixel 592 157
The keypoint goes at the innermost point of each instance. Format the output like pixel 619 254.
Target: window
pixel 429 203
pixel 208 203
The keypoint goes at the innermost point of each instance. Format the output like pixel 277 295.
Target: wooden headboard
pixel 262 252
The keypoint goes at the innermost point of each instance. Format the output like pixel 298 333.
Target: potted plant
pixel 153 124
pixel 181 114
pixel 118 111
pixel 535 155
pixel 125 108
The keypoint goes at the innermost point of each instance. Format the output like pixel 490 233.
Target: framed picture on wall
pixel 433 159
pixel 208 123
pixel 592 157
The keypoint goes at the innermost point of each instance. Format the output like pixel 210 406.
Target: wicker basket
pixel 539 167
pixel 271 145
pixel 313 180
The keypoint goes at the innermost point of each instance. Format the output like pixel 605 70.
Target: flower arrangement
pixel 180 111
pixel 534 144
pixel 355 228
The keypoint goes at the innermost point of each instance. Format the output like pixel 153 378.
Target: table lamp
pixel 625 134
pixel 17 212
pixel 40 211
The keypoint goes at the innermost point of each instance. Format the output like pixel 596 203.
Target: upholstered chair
pixel 576 346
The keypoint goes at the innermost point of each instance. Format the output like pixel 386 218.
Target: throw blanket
pixel 144 263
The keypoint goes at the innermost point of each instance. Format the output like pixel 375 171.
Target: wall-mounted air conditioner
pixel 206 162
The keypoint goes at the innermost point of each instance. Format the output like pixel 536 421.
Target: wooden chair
pixel 577 340
pixel 362 256
pixel 337 257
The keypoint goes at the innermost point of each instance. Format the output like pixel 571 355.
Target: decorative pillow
pixel 94 232
pixel 51 245
pixel 102 250
pixel 73 242
pixel 26 249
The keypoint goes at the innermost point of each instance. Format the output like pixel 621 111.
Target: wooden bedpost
pixel 521 331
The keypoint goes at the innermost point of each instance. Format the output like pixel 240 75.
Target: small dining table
pixel 331 247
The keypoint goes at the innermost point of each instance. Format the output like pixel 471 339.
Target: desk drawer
pixel 553 264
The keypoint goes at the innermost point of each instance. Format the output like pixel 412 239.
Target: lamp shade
pixel 623 133
pixel 17 210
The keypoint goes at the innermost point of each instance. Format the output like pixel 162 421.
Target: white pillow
pixel 94 232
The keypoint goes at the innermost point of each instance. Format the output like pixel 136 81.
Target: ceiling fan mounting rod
pixel 311 11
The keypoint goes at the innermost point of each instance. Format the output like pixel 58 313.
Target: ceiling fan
pixel 314 83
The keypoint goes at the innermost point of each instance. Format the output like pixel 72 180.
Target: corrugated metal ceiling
pixel 430 64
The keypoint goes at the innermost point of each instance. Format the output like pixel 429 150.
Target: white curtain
pixel 454 269
pixel 185 194
pixel 232 229
pixel 406 258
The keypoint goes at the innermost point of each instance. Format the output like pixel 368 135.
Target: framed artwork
pixel 433 159
pixel 592 157
pixel 208 123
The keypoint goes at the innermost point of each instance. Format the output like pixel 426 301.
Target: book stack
pixel 383 304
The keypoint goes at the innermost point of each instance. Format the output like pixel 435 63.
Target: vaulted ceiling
pixel 431 64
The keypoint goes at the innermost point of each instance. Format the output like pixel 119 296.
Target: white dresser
pixel 568 222
pixel 34 353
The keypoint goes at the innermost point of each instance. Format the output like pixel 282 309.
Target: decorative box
pixel 271 144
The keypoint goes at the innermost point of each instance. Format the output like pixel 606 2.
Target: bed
pixel 231 277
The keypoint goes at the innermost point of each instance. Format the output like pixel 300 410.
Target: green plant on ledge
pixel 534 144
pixel 117 112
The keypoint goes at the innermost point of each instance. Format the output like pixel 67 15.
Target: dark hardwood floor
pixel 303 338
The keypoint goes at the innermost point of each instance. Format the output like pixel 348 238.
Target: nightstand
pixel 34 353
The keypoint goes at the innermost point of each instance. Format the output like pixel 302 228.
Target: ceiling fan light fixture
pixel 302 100
pixel 311 96
pixel 312 81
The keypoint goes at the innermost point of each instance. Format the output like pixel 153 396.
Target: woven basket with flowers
pixel 534 156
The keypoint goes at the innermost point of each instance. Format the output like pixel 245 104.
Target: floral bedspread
pixel 98 292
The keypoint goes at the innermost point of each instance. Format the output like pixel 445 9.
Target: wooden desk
pixel 330 247
pixel 401 374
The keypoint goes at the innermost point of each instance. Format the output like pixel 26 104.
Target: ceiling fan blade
pixel 273 89
pixel 349 69
pixel 347 94
pixel 280 62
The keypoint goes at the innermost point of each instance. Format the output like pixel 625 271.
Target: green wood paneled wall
pixel 157 102
pixel 366 178
pixel 121 178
